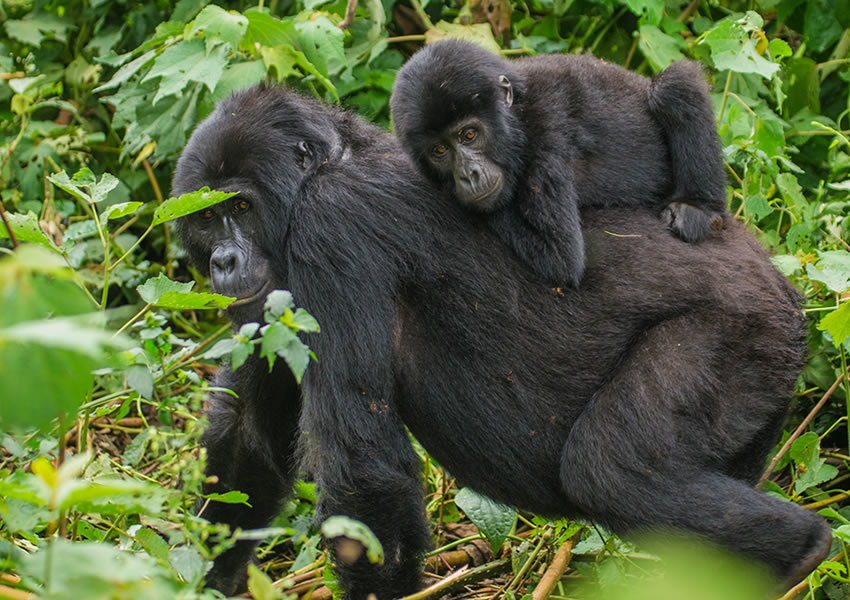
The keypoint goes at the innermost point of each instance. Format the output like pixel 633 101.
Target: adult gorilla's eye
pixel 439 149
pixel 468 134
pixel 242 206
pixel 207 214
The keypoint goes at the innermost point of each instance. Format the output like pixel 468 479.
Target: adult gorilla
pixel 646 399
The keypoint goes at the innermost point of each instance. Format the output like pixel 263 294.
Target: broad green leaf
pixel 812 470
pixel 66 561
pixel 193 300
pixel 786 263
pixel 791 190
pixel 240 354
pixel 277 302
pixel 188 563
pixel 216 23
pixel 267 31
pixel 758 207
pixel 833 270
pixel 174 208
pixel 322 44
pixel 779 49
pixel 140 378
pixel 26 229
pixel 79 491
pixel 239 76
pixel 153 544
pixel 659 48
pixel 339 526
pixel 19 491
pixel 84 185
pixel 821 28
pixel 733 49
pixel 153 288
pixel 231 497
pixel 127 71
pixel 493 520
pixel 35 27
pixel 837 324
pixel 304 321
pixel 116 211
pixel 249 330
pixel 480 34
pixel 280 60
pixel 260 586
pixel 186 62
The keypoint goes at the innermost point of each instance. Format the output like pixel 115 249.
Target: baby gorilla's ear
pixel 507 90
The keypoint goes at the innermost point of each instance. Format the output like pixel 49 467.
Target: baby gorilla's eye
pixel 242 206
pixel 439 149
pixel 468 134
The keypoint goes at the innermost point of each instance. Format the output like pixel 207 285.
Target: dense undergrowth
pixel 100 468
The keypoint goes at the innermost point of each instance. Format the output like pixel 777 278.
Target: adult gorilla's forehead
pixel 234 141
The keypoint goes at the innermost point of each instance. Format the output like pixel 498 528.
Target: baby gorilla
pixel 530 141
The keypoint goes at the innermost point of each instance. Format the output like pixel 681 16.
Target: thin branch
pixel 556 570
pixel 821 503
pixel 8 227
pixel 461 578
pixel 350 7
pixel 799 431
pixel 689 9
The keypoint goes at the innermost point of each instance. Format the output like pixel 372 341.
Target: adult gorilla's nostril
pixel 223 261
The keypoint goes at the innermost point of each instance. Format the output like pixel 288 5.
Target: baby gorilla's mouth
pixel 492 191
pixel 251 298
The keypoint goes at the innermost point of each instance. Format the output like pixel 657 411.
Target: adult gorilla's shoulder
pixel 645 399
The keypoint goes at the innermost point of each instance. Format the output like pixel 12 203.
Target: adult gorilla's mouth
pixel 252 297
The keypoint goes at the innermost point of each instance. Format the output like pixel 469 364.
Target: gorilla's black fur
pixel 531 140
pixel 647 399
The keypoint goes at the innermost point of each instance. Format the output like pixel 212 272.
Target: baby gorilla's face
pixel 461 153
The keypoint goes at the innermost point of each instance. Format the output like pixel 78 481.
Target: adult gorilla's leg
pixel 250 445
pixel 650 451
pixel 372 474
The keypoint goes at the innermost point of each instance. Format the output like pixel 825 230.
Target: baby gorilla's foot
pixel 689 222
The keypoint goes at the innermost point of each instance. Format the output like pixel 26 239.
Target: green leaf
pixel 26 229
pixel 127 71
pixel 339 526
pixel 812 470
pixel 231 497
pixel 791 190
pixel 732 49
pixel 322 44
pixel 833 270
pixel 215 23
pixel 240 354
pixel 660 49
pixel 280 340
pixel 174 208
pixel 188 563
pixel 186 62
pixel 779 49
pixel 84 185
pixel 140 378
pixel 821 28
pixel 277 302
pixel 267 31
pixel 787 264
pixel 758 207
pixel 260 586
pixel 116 211
pixel 78 491
pixel 153 544
pixel 493 520
pixel 153 288
pixel 837 324
pixel 304 321
pixel 193 300
pixel 480 33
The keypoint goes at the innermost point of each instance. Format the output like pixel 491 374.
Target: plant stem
pixel 8 227
pixel 426 20
pixel 133 247
pixel 725 97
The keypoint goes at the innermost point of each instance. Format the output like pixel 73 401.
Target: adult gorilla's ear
pixel 507 90
pixel 305 154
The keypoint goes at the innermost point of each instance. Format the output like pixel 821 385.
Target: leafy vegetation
pixel 105 354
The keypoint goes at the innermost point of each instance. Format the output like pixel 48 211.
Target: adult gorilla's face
pixel 266 157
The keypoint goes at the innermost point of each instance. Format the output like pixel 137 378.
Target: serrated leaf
pixel 220 348
pixel 216 23
pixel 153 544
pixel 185 62
pixel 231 497
pixel 493 520
pixel 193 300
pixel 786 263
pixel 240 354
pixel 26 229
pixel 127 71
pixel 660 49
pixel 153 288
pixel 732 49
pixel 837 324
pixel 267 31
pixel 479 33
pixel 833 270
pixel 812 470
pixel 260 586
pixel 276 304
pixel 116 211
pixel 84 185
pixel 249 330
pixel 174 208
pixel 340 526
pixel 791 190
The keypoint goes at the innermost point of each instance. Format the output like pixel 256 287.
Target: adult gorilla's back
pixel 646 399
